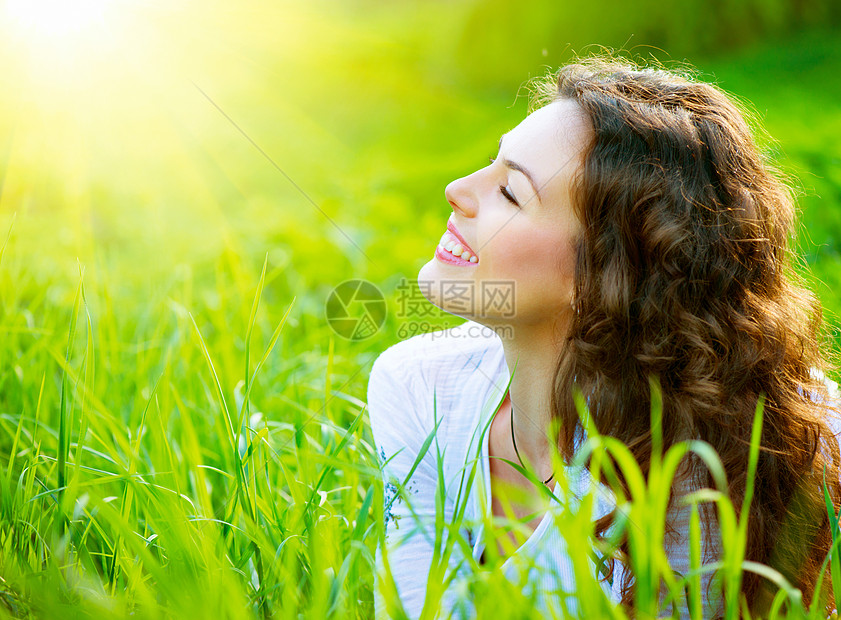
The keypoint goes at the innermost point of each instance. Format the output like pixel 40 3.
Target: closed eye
pixel 505 192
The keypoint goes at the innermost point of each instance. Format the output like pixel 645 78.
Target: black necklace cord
pixel 517 452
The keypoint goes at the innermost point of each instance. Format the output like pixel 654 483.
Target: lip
pixel 454 231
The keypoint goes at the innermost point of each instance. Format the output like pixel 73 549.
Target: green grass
pixel 181 434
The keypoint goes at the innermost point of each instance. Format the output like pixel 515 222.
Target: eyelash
pixel 504 190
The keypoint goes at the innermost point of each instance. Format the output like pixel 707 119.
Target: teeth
pixel 452 245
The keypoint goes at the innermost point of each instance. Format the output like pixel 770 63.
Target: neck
pixel 532 355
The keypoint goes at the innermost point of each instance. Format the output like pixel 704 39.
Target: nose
pixel 461 196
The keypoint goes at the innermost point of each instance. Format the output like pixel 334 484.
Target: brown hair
pixel 683 273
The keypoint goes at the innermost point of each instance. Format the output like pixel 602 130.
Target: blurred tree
pixel 499 39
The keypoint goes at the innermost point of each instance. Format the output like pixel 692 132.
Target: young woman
pixel 629 228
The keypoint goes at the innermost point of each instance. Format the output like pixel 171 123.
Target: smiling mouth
pixel 452 248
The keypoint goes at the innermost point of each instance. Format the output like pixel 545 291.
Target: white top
pixel 457 378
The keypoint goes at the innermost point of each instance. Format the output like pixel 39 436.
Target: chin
pixel 429 283
pixel 430 280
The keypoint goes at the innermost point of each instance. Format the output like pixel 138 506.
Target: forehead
pixel 550 142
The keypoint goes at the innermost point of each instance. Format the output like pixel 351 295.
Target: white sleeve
pixel 400 427
pixel 677 551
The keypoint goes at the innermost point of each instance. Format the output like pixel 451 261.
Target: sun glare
pixel 55 18
pixel 59 42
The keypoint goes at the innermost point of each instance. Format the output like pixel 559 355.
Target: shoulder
pixel 422 355
pixel 440 366
pixel 830 402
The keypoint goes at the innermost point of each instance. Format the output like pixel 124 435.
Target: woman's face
pixel 517 219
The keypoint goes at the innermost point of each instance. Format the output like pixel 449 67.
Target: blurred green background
pixel 166 149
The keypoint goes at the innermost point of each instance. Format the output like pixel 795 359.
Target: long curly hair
pixel 684 273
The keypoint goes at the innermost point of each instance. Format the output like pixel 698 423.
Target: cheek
pixel 543 258
pixel 542 270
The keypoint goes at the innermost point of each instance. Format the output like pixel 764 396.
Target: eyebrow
pixel 515 166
